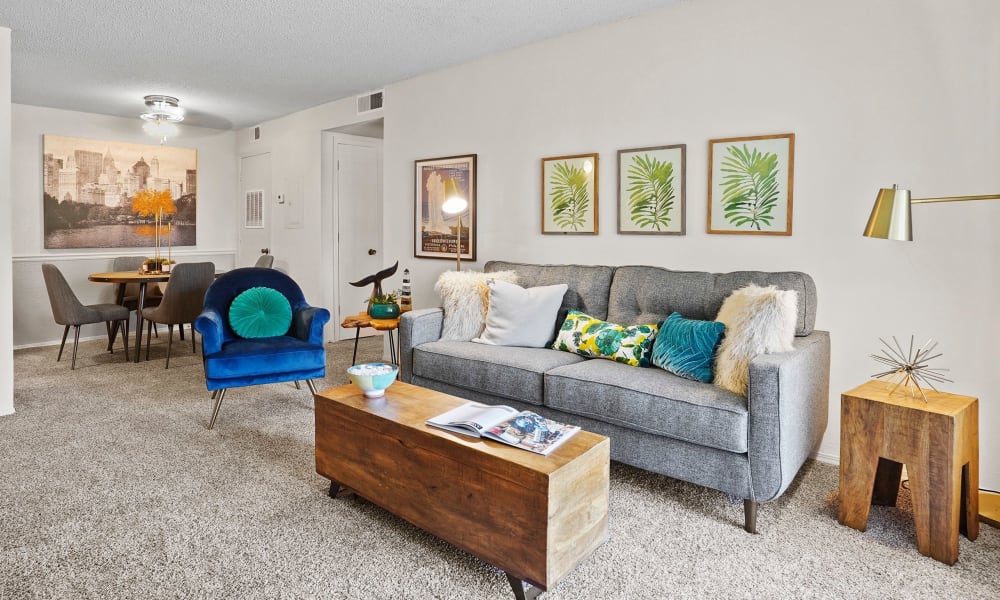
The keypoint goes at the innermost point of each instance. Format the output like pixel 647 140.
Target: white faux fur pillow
pixel 759 320
pixel 464 295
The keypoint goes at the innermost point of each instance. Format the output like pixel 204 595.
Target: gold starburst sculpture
pixel 910 369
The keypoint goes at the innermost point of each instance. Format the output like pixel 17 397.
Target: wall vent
pixel 370 101
pixel 253 218
pixel 255 133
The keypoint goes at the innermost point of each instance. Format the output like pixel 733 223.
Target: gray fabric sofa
pixel 749 447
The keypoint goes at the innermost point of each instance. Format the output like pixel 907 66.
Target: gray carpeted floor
pixel 112 487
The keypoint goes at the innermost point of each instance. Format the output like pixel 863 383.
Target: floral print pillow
pixel 584 335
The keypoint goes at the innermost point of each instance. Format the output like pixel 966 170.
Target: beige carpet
pixel 112 487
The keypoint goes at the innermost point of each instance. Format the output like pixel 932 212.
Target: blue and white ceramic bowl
pixel 373 378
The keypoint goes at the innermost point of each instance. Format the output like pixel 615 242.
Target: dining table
pixel 125 277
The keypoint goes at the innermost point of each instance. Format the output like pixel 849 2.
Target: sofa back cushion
pixel 642 294
pixel 588 286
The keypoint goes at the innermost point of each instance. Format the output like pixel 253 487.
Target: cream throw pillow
pixel 521 317
pixel 464 296
pixel 758 320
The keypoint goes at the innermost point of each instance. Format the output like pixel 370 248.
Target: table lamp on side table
pixel 890 220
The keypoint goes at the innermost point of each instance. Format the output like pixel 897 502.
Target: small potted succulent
pixel 383 306
pixel 152 265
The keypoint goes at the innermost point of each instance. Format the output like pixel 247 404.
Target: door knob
pixel 265 250
pixel 371 252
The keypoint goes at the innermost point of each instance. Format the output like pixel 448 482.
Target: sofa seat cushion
pixel 504 371
pixel 250 357
pixel 650 400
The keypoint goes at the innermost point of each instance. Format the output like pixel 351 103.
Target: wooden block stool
pixel 937 440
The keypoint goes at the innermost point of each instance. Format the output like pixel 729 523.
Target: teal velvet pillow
pixel 686 347
pixel 260 312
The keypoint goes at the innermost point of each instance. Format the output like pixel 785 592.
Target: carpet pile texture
pixel 113 487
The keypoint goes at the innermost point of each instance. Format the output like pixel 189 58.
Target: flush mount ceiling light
pixel 162 114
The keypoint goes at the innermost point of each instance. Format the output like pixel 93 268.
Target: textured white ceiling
pixel 235 63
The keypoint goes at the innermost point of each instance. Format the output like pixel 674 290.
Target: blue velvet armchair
pixel 232 361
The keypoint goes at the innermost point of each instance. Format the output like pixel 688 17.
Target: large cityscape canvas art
pixel 106 194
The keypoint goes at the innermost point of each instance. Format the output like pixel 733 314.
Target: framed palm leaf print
pixel 651 184
pixel 750 185
pixel 569 194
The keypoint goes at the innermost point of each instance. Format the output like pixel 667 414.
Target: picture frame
pixel 100 193
pixel 435 233
pixel 750 184
pixel 570 194
pixel 652 184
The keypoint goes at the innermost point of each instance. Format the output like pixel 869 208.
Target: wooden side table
pixel 938 440
pixel 364 320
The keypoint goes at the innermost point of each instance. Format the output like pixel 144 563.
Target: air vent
pixel 255 133
pixel 369 102
pixel 253 218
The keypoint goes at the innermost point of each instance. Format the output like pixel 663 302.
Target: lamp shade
pixel 890 218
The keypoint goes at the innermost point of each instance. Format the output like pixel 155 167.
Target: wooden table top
pixel 411 405
pixel 942 403
pixel 127 277
pixel 364 320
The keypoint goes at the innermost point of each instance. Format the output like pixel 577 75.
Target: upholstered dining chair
pixel 69 311
pixel 265 261
pixel 257 328
pixel 131 298
pixel 181 302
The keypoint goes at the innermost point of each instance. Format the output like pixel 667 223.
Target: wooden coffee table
pixel 534 517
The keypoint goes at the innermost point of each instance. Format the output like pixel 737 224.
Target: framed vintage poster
pixel 750 184
pixel 437 234
pixel 569 194
pixel 107 194
pixel 651 185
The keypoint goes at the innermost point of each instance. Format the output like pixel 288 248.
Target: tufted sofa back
pixel 631 295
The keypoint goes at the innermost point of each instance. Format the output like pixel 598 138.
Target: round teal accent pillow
pixel 260 312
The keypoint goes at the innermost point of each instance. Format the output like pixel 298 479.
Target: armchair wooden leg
pixel 63 344
pixel 218 403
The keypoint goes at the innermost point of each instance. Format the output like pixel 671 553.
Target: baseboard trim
pixel 69 341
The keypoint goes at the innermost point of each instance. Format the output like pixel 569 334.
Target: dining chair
pixel 69 311
pixel 131 298
pixel 181 302
pixel 265 261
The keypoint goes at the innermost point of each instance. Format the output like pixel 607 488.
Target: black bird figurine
pixel 377 279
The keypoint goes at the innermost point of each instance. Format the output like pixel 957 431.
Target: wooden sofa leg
pixel 750 516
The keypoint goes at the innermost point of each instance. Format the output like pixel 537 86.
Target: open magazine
pixel 521 429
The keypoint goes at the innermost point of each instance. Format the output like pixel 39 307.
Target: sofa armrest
pixel 209 324
pixel 308 323
pixel 788 401
pixel 417 327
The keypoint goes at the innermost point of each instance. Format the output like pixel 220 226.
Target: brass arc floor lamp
pixel 890 220
pixel 454 205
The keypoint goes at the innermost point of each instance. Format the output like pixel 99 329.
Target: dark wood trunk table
pixel 534 517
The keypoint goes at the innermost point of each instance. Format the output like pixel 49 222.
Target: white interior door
pixel 255 208
pixel 358 199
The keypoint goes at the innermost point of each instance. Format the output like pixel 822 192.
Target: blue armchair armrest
pixel 210 325
pixel 308 322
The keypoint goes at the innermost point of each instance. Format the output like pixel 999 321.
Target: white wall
pixel 6 286
pixel 896 91
pixel 218 207
pixel 301 157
